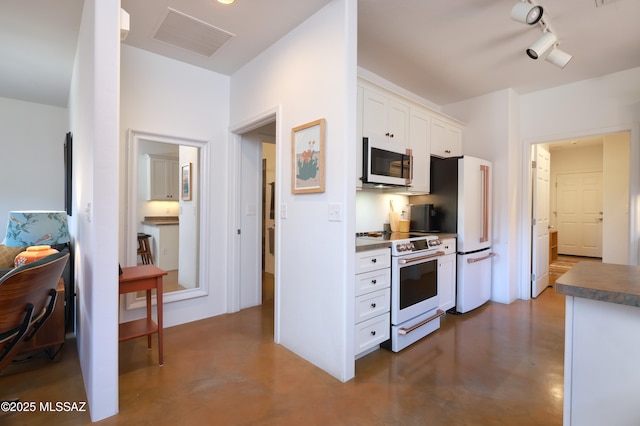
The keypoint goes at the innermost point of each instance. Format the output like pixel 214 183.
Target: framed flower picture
pixel 186 182
pixel 308 168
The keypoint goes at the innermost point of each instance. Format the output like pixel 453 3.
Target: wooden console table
pixel 138 278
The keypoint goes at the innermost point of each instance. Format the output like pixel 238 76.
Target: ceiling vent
pixel 190 33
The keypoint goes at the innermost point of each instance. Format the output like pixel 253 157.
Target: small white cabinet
pixel 164 178
pixel 164 245
pixel 373 299
pixel 447 274
pixel 385 117
pixel 446 139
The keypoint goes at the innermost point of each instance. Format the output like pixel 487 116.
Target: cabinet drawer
pixel 372 304
pixel 372 332
pixel 371 260
pixel 373 281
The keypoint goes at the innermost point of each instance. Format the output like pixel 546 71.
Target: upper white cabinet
pixel 419 142
pixel 384 117
pixel 446 139
pixel 164 178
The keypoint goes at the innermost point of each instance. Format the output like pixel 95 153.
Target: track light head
pixel 543 44
pixel 527 13
pixel 558 57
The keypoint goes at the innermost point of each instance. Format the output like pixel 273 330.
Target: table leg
pixel 160 326
pixel 149 316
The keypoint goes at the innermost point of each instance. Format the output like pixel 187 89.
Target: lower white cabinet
pixel 447 275
pixel 373 299
pixel 164 245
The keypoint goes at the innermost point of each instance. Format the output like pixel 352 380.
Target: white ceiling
pixel 442 50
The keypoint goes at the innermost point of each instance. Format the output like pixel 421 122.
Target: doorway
pixel 588 199
pixel 255 268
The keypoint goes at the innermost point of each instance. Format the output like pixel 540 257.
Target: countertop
pixel 373 243
pixel 160 220
pixel 604 282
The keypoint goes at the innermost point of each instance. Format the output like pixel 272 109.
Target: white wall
pixel 615 199
pixel 168 97
pixel 34 134
pixel 373 209
pixel 94 103
pixel 607 104
pixel 310 74
pixel 489 134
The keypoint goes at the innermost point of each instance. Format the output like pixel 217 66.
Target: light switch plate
pixel 335 212
pixel 283 211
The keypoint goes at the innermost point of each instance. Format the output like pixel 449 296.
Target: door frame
pixel 526 176
pixel 236 133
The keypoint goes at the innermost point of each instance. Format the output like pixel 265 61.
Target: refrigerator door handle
pixel 480 259
pixel 484 169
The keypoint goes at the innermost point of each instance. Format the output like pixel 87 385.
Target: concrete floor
pixel 497 365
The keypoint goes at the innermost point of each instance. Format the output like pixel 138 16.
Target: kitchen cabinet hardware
pixel 405 331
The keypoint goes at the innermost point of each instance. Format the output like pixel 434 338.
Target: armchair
pixel 27 298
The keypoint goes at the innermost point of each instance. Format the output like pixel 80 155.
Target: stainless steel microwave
pixel 385 163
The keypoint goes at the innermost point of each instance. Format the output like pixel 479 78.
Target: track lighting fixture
pixel 526 13
pixel 543 44
pixel 558 57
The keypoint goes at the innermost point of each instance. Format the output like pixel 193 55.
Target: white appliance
pixel 386 163
pixel 463 190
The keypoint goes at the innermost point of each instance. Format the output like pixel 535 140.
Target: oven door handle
pixel 405 331
pixel 417 259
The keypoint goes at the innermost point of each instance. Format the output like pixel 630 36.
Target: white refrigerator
pixel 462 188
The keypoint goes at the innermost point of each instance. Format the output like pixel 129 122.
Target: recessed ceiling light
pixel 226 1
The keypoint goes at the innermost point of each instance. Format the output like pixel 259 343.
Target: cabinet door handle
pixel 373 332
pixel 374 260
pixel 447 151
pixel 386 134
pixel 374 282
pixel 373 305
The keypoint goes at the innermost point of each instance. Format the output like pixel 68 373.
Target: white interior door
pixel 250 222
pixel 579 203
pixel 540 232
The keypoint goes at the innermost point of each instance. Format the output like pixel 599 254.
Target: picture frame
pixel 186 182
pixel 68 172
pixel 308 157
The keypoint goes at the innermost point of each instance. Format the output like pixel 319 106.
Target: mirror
pixel 165 184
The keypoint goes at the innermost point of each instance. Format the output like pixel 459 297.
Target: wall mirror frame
pixel 134 139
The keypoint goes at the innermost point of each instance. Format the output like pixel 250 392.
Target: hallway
pixel 497 365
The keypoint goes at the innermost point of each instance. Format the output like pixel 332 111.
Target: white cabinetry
pixel 164 178
pixel 384 117
pixel 419 126
pixel 446 139
pixel 447 274
pixel 164 245
pixel 373 299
